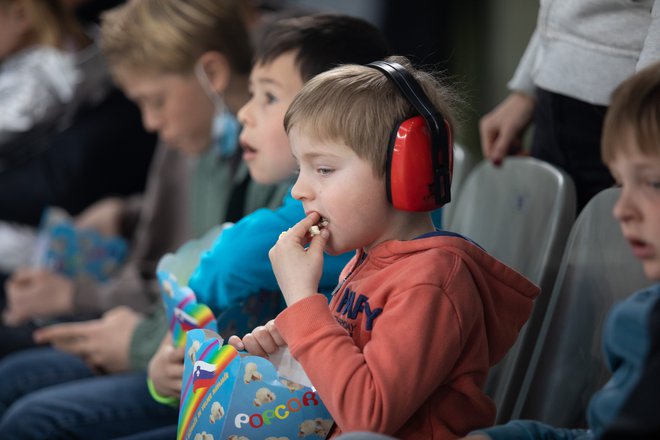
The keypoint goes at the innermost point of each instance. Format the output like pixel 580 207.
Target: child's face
pixel 344 190
pixel 175 106
pixel 265 145
pixel 638 207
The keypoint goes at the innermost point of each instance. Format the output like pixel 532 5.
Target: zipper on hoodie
pixel 355 266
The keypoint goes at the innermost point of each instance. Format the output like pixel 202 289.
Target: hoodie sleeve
pixel 131 287
pixel 530 430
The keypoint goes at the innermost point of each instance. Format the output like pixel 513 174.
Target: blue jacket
pixel 238 266
pixel 630 342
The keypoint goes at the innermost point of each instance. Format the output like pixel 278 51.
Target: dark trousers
pixel 567 134
pixel 13 338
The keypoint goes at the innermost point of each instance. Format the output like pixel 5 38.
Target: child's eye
pixel 270 98
pixel 655 184
pixel 324 171
pixel 157 103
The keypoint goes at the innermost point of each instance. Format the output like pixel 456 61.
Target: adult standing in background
pixel 579 52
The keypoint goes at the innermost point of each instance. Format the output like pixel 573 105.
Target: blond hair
pixel 634 111
pixel 53 25
pixel 360 107
pixel 168 36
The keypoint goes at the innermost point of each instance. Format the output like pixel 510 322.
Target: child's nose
pixel 150 121
pixel 243 113
pixel 300 191
pixel 623 209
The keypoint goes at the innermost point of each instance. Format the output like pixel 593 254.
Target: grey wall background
pixel 477 42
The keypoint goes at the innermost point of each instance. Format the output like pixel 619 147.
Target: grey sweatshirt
pixel 584 48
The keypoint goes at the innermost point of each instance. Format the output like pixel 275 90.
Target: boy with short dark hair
pixel 288 53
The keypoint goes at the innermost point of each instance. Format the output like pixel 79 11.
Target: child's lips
pixel 316 229
pixel 248 151
pixel 641 249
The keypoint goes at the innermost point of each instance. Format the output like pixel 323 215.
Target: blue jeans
pixel 166 433
pixel 31 370
pixel 71 407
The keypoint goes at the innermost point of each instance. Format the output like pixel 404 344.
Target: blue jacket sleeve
pixel 530 430
pixel 238 266
pixel 639 416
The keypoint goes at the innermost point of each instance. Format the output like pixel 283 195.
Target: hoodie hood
pixel 506 297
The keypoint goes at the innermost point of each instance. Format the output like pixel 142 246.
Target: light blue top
pixel 238 266
pixel 627 337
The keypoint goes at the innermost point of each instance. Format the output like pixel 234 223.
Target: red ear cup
pixel 410 176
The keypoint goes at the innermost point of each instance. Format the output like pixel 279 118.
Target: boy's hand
pixel 103 343
pixel 166 368
pixel 263 341
pixel 37 293
pixel 103 216
pixel 298 269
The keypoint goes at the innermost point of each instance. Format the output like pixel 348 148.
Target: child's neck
pixel 405 226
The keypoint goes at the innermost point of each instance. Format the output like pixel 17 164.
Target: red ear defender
pixel 420 155
pixel 410 178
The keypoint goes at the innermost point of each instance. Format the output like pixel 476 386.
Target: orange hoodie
pixel 405 346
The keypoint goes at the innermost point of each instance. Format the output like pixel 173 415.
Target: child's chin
pixel 652 271
pixel 332 251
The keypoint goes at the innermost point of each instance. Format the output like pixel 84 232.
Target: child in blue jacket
pixel 289 53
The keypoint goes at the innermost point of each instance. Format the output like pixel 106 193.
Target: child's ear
pixel 217 70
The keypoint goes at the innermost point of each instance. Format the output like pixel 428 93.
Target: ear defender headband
pixel 419 156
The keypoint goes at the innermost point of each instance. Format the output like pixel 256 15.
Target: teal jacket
pixel 237 266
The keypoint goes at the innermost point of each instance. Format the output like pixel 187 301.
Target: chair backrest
pixel 464 161
pixel 520 212
pixel 597 269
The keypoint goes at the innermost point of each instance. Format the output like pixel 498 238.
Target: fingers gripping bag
pixel 232 396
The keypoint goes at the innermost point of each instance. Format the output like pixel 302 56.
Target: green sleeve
pixel 147 336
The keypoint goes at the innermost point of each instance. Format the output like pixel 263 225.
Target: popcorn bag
pixel 229 396
pixel 173 272
pixel 182 310
pixel 75 252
